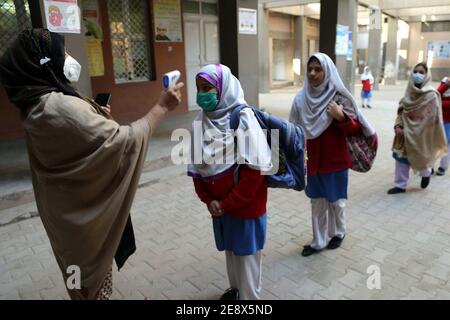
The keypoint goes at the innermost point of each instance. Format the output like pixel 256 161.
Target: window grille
pixel 14 18
pixel 128 21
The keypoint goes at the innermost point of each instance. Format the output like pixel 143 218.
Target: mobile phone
pixel 103 99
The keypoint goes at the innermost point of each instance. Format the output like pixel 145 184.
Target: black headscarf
pixel 22 72
pixel 33 66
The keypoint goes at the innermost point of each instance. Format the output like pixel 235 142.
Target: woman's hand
pixel 168 101
pixel 171 98
pixel 398 130
pixel 215 209
pixel 336 111
pixel 107 109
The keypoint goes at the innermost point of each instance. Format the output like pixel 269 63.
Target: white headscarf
pixel 217 125
pixel 446 93
pixel 367 75
pixel 309 109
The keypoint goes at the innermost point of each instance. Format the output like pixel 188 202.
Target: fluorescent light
pixel 296 66
pixel 315 7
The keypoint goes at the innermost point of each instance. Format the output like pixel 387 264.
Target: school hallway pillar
pixel 342 12
pixel 263 47
pixel 300 49
pixel 240 51
pixel 375 49
pixel 391 64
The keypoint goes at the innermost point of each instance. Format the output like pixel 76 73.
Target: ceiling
pixel 408 10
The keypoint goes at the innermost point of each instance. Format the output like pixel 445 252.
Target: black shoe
pixel 425 182
pixel 368 106
pixel 308 250
pixel 363 106
pixel 440 171
pixel 396 190
pixel 230 294
pixel 335 242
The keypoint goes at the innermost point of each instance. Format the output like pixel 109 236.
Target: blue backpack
pixel 292 145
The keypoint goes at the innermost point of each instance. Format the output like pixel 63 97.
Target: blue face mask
pixel 207 100
pixel 418 78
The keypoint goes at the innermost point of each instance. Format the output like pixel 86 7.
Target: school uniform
pixel 367 81
pixel 327 180
pixel 444 90
pixel 241 230
pixel 423 140
pixel 328 154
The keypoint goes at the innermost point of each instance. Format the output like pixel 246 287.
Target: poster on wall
pixel 350 46
pixel 438 50
pixel 62 16
pixel 167 17
pixel 94 36
pixel 342 38
pixel 95 57
pixel 374 18
pixel 248 19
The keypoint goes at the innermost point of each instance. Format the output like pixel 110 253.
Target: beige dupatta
pixel 85 170
pixel 420 114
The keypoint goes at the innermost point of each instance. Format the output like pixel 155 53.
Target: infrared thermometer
pixel 170 79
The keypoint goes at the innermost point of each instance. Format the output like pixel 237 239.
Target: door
pixel 201 48
pixel 278 63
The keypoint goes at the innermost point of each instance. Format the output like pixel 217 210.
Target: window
pixel 436 26
pixel 128 20
pixel 209 7
pixel 206 7
pixel 14 18
pixel 191 7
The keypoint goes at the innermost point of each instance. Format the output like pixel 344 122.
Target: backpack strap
pixel 234 124
pixel 262 119
pixel 234 118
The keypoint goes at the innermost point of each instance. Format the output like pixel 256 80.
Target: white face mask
pixel 72 69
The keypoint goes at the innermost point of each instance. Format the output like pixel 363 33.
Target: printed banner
pixel 62 16
pixel 438 50
pixel 167 16
pixel 341 40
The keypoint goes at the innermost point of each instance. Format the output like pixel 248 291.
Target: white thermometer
pixel 170 79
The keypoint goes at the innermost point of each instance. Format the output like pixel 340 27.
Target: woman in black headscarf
pixel 85 166
pixel 34 66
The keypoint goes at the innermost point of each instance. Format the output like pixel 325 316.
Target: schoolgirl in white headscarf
pixel 366 91
pixel 228 177
pixel 328 113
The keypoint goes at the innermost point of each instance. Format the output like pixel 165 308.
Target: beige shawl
pixel 85 170
pixel 420 114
